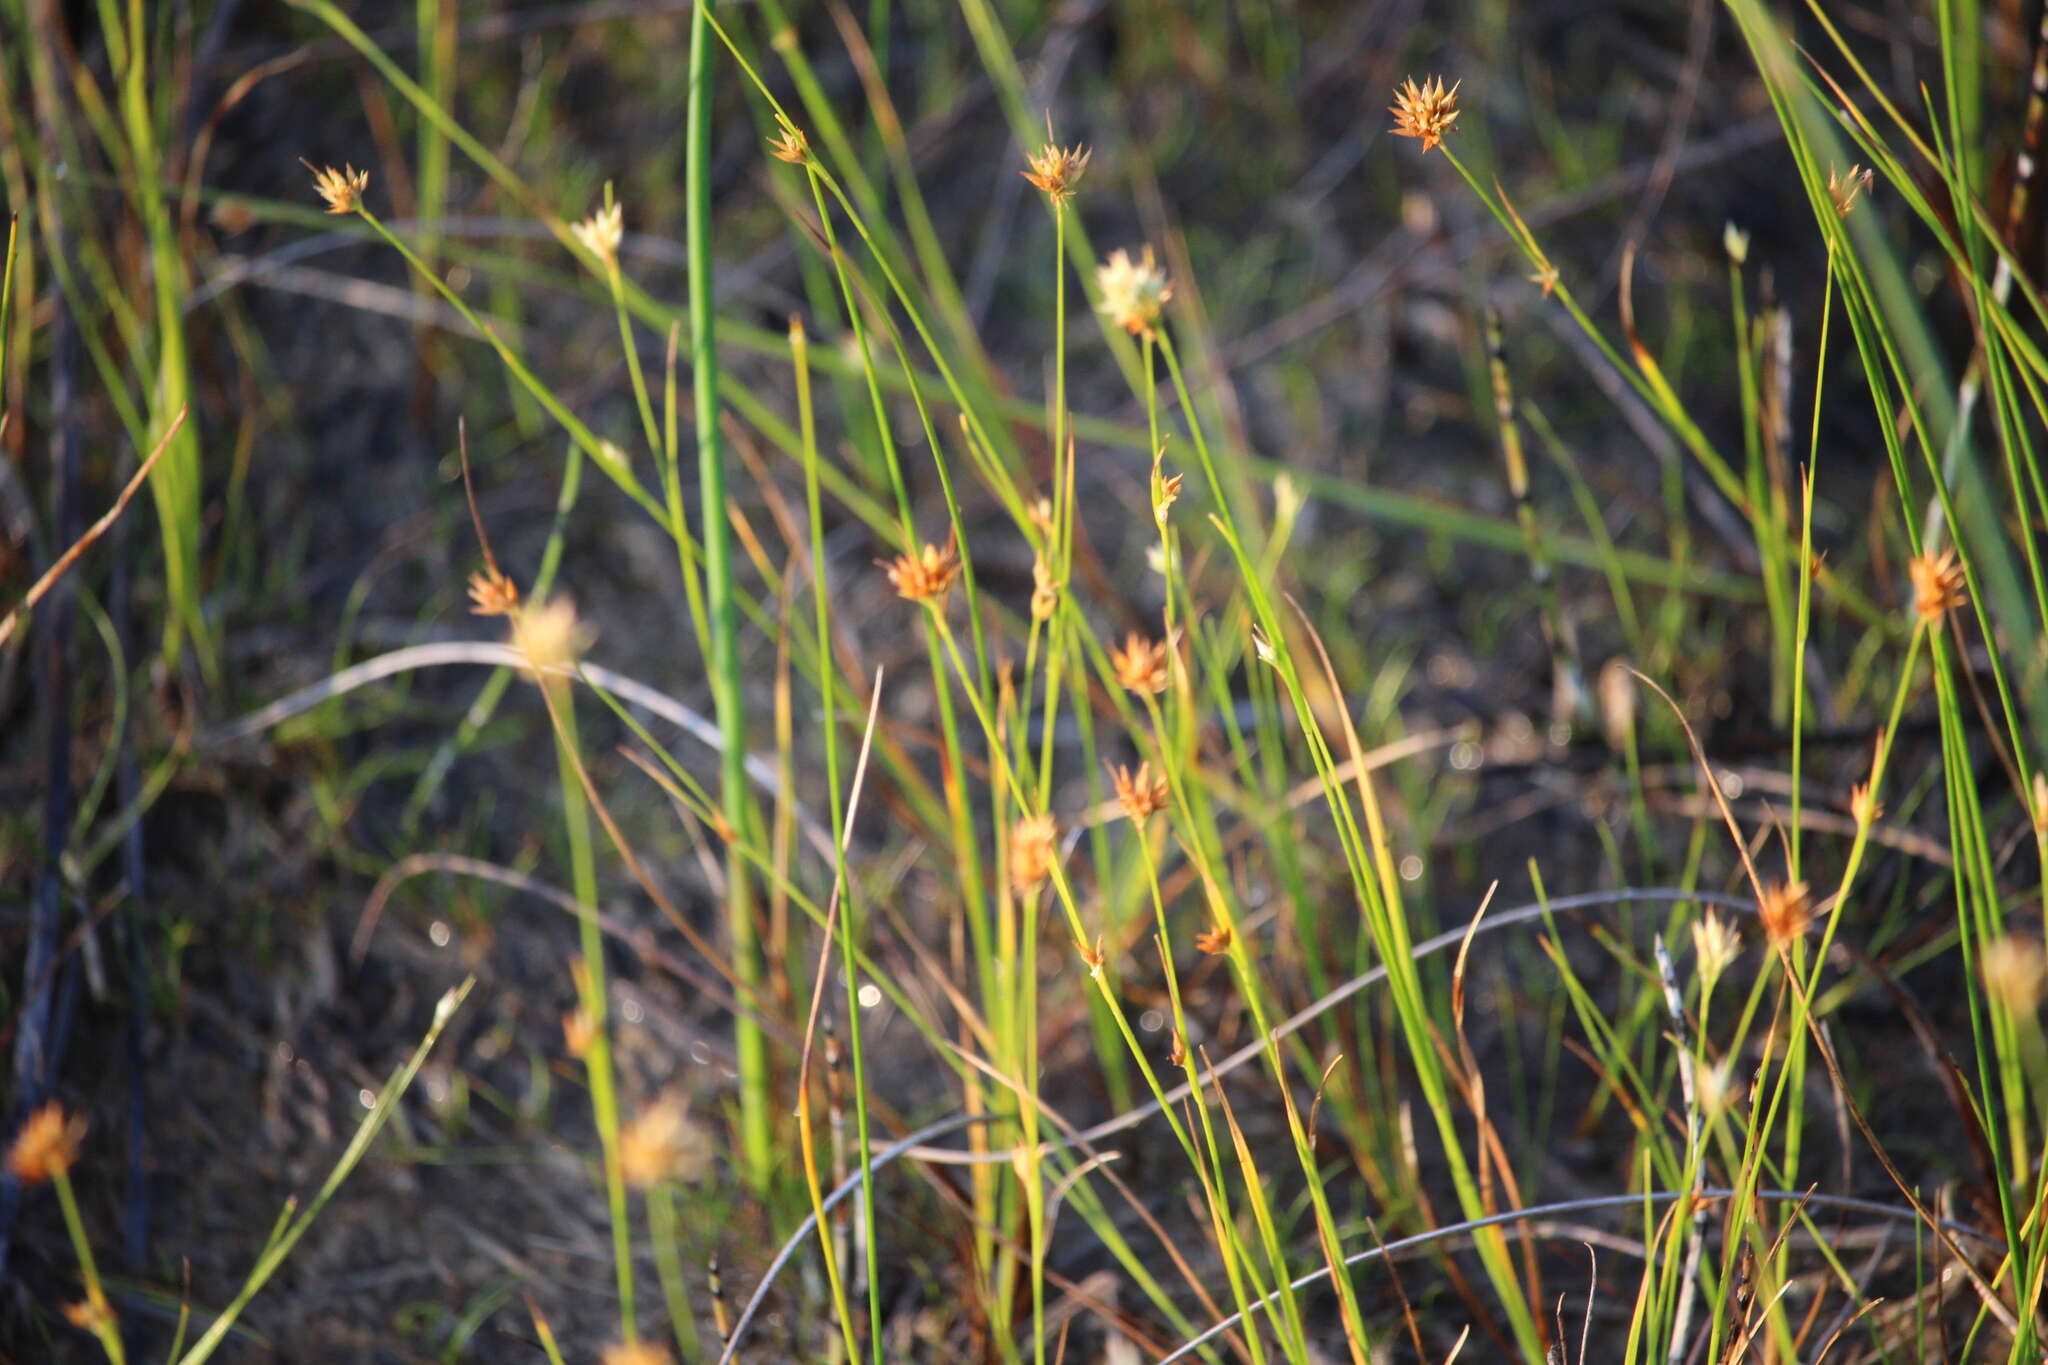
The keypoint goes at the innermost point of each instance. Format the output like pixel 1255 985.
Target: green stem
pixel 756 1126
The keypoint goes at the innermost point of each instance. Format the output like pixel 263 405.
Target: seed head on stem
pixel 1056 170
pixel 1034 845
pixel 1938 584
pixel 1134 292
pixel 47 1145
pixel 927 575
pixel 1140 666
pixel 1141 793
pixel 342 189
pixel 602 232
pixel 1425 111
pixel 1785 910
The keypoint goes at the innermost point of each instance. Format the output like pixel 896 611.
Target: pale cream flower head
pixel 1134 292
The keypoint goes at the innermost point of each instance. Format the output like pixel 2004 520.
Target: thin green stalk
pixel 848 922
pixel 604 1099
pixel 757 1131
pixel 101 1322
pixel 291 1228
pixel 662 1228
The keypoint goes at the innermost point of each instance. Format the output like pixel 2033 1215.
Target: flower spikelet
pixel 791 145
pixel 1938 585
pixel 92 1313
pixel 549 635
pixel 1140 666
pixel 1845 189
pixel 47 1145
pixel 1134 292
pixel 927 575
pixel 1055 170
pixel 491 593
pixel 1715 945
pixel 1045 590
pixel 342 189
pixel 2015 972
pixel 1140 793
pixel 1785 909
pixel 1424 110
pixel 663 1143
pixel 602 232
pixel 1034 844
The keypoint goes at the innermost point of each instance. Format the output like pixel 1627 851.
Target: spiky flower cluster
pixel 1140 666
pixel 1845 188
pixel 927 575
pixel 342 189
pixel 1056 170
pixel 1424 111
pixel 491 593
pixel 790 144
pixel 1165 494
pixel 1938 584
pixel 1785 909
pixel 1141 793
pixel 47 1145
pixel 1034 845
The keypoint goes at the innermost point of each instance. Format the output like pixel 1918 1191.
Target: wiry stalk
pixel 756 1123
pixel 1567 672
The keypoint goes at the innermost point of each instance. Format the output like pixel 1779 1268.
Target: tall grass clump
pixel 1129 960
pixel 81 138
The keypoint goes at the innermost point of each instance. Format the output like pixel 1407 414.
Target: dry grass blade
pixel 63 563
pixel 491 654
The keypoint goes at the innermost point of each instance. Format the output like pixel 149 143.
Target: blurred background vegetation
pixel 1638 376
